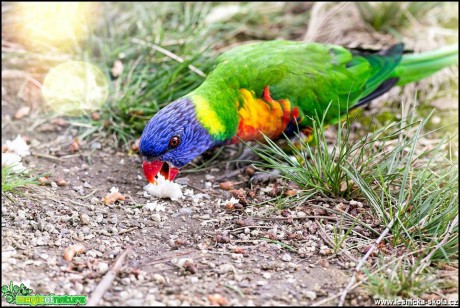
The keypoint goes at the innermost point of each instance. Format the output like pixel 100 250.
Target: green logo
pixel 21 295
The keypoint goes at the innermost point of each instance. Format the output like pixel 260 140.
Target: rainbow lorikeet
pixel 274 87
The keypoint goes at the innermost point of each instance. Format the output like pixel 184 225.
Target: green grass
pixel 393 16
pixel 400 179
pixel 11 181
pixel 400 281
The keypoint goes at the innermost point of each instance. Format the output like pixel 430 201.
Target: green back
pixel 310 75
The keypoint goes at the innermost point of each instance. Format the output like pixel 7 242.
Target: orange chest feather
pixel 258 116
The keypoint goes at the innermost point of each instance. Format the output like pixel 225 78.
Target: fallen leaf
pixel 229 206
pixel 22 112
pixel 217 299
pixel 44 180
pixel 71 251
pixel 135 146
pixel 246 222
pixel 290 192
pixel 47 128
pixel 250 170
pixel 74 146
pixel 228 185
pixel 112 197
pixel 190 267
pixel 61 182
pixel 222 239
pixel 359 276
pixel 324 263
pixel 240 194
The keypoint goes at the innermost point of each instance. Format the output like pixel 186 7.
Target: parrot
pixel 271 88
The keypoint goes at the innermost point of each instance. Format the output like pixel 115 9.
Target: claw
pixel 263 177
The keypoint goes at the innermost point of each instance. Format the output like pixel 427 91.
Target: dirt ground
pixel 199 250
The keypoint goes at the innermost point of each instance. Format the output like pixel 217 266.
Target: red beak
pixel 151 169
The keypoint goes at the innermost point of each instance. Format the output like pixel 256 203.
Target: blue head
pixel 171 139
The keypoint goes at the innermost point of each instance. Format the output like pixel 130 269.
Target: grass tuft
pixel 401 178
pixel 400 281
pixel 11 181
pixel 393 16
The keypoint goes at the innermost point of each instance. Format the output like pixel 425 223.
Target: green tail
pixel 418 66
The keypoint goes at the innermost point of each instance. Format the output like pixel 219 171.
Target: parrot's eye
pixel 174 142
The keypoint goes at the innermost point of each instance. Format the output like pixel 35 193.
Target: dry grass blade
pixel 106 282
pixel 168 54
pixel 426 261
pixel 361 262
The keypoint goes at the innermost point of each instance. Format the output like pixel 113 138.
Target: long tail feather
pixel 418 66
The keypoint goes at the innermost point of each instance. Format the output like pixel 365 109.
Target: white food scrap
pixel 154 206
pixel 13 160
pixel 15 150
pixel 18 146
pixel 232 201
pixel 163 188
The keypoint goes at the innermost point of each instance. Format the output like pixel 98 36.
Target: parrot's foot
pixel 263 177
pixel 246 158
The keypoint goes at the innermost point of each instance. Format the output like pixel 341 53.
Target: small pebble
pixel 96 145
pixel 84 218
pixel 301 214
pixel 102 268
pixel 286 257
pixel 310 294
pixel 159 279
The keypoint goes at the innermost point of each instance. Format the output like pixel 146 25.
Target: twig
pixel 363 259
pixel 326 199
pixel 234 288
pixel 50 157
pixel 127 230
pixel 166 259
pixel 228 175
pixel 168 54
pixel 426 260
pixel 70 156
pixel 77 203
pixel 253 227
pixel 88 195
pixel 220 252
pixel 106 282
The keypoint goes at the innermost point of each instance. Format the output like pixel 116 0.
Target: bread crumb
pixel 163 188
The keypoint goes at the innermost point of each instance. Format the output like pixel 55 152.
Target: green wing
pixel 310 75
